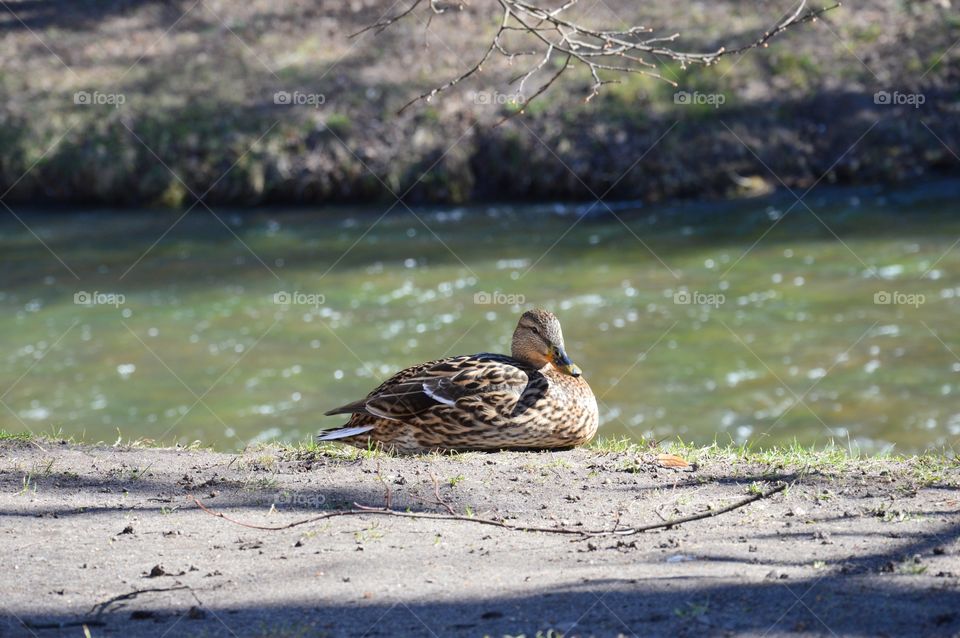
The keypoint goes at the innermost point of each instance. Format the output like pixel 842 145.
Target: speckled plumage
pixel 480 402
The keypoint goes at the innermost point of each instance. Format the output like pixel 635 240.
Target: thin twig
pixel 388 493
pixel 604 52
pixel 363 510
pixel 382 24
pixel 436 493
pixel 98 609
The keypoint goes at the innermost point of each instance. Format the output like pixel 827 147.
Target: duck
pixel 534 399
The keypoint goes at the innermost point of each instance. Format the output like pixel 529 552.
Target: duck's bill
pixel 562 362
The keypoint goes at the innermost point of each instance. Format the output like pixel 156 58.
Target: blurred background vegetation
pixel 198 81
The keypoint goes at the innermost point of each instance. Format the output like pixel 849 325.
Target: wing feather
pixel 489 380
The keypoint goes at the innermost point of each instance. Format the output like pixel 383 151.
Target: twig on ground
pixel 99 608
pixel 388 493
pixel 436 494
pixel 96 612
pixel 364 510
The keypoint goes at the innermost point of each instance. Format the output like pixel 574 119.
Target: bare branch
pixel 607 54
pixel 382 24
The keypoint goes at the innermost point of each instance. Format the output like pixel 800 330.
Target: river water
pixel 763 321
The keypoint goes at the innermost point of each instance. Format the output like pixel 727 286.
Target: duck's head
pixel 538 341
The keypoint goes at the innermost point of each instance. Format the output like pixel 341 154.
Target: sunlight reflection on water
pixel 689 333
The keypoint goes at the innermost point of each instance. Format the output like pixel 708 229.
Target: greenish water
pixel 783 338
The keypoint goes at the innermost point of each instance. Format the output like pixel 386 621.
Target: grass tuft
pixel 929 468
pixel 16 436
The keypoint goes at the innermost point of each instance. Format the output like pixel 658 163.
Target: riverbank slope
pixel 154 103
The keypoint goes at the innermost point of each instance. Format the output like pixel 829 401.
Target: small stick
pixel 436 493
pixel 363 510
pixel 388 493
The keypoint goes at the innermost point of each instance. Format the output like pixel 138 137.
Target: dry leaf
pixel 672 461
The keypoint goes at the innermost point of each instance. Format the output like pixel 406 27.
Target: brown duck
pixel 534 399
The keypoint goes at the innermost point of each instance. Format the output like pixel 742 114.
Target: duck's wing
pixel 495 381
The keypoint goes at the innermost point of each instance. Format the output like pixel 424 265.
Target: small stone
pixel 823 537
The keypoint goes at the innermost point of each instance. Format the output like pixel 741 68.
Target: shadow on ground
pixel 834 604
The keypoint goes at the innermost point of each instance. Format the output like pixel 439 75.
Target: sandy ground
pixel 110 538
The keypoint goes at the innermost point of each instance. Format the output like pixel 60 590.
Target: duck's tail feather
pixel 342 433
pixel 350 408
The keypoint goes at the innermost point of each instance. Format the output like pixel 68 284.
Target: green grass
pixel 940 467
pixel 335 450
pixel 15 436
pixel 57 435
pixel 930 468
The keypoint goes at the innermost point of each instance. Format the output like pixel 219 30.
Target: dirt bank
pixel 110 538
pixel 131 103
